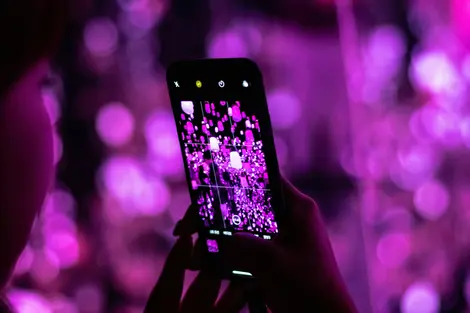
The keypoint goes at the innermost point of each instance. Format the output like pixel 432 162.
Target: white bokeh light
pixel 434 72
pixel 420 297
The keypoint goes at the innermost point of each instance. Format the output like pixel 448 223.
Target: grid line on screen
pixel 206 144
pixel 226 187
pixel 234 141
pixel 213 168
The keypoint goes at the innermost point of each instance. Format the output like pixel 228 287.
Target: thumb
pixel 250 253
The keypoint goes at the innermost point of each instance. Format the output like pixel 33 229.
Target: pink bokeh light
pixel 64 247
pixel 431 200
pixel 433 123
pixel 138 192
pixel 101 37
pixel 420 297
pixel 465 131
pixel 45 268
pixel 393 249
pixel 60 201
pixel 228 44
pixel 284 109
pixel 161 135
pixel 24 301
pixel 115 124
pixel 418 159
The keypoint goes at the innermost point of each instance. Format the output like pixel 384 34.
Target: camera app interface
pixel 223 150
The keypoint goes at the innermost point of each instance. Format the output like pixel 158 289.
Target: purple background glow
pixel 351 103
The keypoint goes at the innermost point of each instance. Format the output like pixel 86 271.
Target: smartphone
pixel 227 144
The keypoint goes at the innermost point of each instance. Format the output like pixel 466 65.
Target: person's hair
pixel 29 31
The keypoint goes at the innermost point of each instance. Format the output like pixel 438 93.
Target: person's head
pixel 30 31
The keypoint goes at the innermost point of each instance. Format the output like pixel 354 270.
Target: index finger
pixel 188 225
pixel 166 294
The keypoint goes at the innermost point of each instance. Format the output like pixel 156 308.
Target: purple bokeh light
pixel 45 268
pixel 386 47
pixel 115 124
pixel 228 44
pixel 465 131
pixel 393 249
pixel 101 37
pixel 58 202
pixel 431 200
pixel 419 159
pixel 64 247
pixel 28 302
pixel 284 109
pixel 420 297
pixel 161 135
pixel 138 192
pixel 433 123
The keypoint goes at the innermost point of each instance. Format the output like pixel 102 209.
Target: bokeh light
pixel 434 72
pixel 101 37
pixel 393 249
pixel 284 109
pixel 419 160
pixel 228 44
pixel 138 192
pixel 431 200
pixel 59 201
pixel 420 297
pixel 115 124
pixel 45 268
pixel 162 138
pixel 63 246
pixel 24 301
pixel 465 131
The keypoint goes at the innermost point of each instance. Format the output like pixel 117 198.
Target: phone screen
pixel 225 157
pixel 228 150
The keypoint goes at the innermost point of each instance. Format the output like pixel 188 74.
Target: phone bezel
pixel 210 71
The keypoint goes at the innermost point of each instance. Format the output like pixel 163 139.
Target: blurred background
pixel 369 103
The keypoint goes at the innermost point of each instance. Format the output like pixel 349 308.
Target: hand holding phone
pixel 297 271
pixel 228 151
